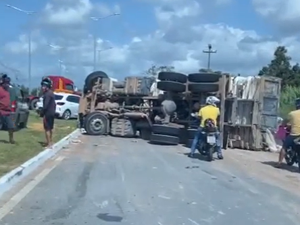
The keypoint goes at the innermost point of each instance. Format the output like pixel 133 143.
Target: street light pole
pixel 28 13
pixel 209 52
pixel 59 49
pixel 102 50
pixel 96 19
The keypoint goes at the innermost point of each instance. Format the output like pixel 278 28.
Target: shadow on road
pixel 108 218
pixel 198 156
pixel 292 169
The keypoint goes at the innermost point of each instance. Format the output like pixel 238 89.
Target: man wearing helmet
pixel 209 111
pixel 48 110
pixel 294 127
pixel 5 106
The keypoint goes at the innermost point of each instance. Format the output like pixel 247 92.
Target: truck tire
pixel 183 135
pixel 189 143
pixel 164 139
pixel 165 130
pixel 203 87
pixel 171 86
pixel 145 134
pixel 172 76
pixel 96 123
pixel 204 77
pixel 122 128
pixel 191 133
pixel 92 78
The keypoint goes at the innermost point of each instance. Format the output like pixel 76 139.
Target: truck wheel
pixel 165 130
pixel 191 133
pixel 204 77
pixel 203 87
pixel 164 139
pixel 172 76
pixel 171 86
pixel 96 123
pixel 121 127
pixel 33 103
pixel 92 78
pixel 145 134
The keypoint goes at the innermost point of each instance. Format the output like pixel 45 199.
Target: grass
pixel 287 99
pixel 29 142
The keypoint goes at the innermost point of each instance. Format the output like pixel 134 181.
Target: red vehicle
pixel 59 84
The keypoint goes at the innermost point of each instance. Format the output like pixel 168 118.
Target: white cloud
pixel 178 41
pixel 285 14
pixel 67 12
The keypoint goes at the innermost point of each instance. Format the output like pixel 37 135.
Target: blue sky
pixel 145 33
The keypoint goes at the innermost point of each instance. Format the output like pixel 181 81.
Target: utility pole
pixel 209 52
pixel 59 49
pixel 96 19
pixel 28 13
pixel 101 50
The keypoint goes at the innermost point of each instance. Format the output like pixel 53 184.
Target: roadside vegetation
pixel 30 142
pixel 281 67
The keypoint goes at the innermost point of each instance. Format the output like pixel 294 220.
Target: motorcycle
pixel 292 155
pixel 208 143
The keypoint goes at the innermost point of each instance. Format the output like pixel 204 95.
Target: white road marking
pixel 17 198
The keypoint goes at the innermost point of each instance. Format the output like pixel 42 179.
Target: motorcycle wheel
pixel 298 161
pixel 210 153
pixel 289 159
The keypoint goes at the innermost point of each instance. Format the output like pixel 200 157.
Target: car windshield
pixel 58 97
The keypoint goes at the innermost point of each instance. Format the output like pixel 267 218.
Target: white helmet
pixel 212 100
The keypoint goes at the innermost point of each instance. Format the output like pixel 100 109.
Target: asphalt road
pixel 123 181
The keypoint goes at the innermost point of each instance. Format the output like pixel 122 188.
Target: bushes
pixel 287 99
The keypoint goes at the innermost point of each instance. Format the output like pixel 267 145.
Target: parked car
pixel 19 106
pixel 66 105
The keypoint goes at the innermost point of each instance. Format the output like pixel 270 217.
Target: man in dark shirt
pixel 48 110
pixel 5 107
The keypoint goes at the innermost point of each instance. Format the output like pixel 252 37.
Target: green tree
pixel 154 70
pixel 280 66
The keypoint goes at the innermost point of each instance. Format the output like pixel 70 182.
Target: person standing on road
pixel 293 122
pixel 210 111
pixel 48 110
pixel 5 107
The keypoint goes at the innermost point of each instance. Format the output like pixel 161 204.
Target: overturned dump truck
pixel 155 108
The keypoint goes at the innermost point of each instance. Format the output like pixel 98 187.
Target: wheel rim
pixel 97 124
pixel 67 115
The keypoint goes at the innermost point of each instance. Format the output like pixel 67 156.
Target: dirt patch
pixel 36 126
pixel 261 165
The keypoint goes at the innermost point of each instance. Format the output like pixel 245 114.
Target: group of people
pixel 211 111
pixel 47 112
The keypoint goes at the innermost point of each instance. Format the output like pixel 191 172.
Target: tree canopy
pixel 280 66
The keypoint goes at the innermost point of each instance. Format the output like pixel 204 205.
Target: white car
pixel 67 105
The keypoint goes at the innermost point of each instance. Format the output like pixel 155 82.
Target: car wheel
pixel 33 103
pixel 66 115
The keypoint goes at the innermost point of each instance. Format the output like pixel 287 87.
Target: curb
pixel 16 175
